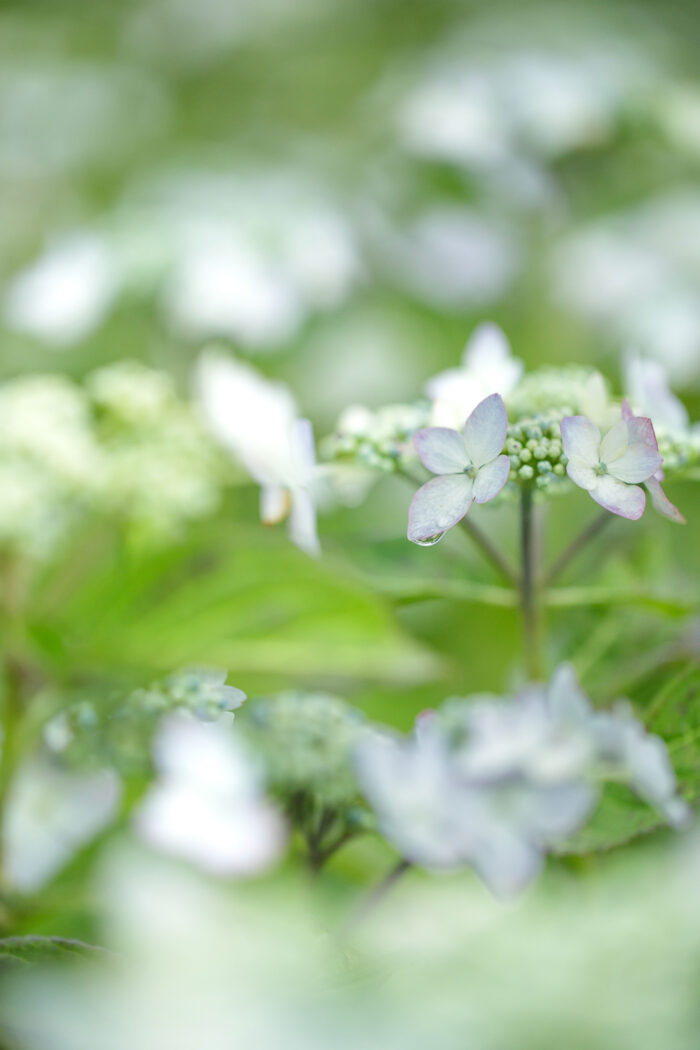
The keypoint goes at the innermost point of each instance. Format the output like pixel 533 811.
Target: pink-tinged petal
pixel 615 442
pixel 438 505
pixel 491 479
pixel 485 430
pixel 627 412
pixel 640 460
pixel 580 440
pixel 661 502
pixel 441 450
pixel 641 428
pixel 581 473
pixel 626 500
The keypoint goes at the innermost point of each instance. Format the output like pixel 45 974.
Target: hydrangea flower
pixel 611 468
pixel 487 367
pixel 207 804
pixel 649 391
pixel 659 499
pixel 256 420
pixel 469 466
pixel 495 784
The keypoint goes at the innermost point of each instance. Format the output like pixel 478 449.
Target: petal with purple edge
pixel 628 501
pixel 581 473
pixel 580 440
pixel 491 479
pixel 639 461
pixel 438 505
pixel 441 450
pixel 485 430
pixel 661 502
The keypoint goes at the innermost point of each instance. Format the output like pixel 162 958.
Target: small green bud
pixel 514 462
pixel 541 452
pixel 542 481
pixel 531 444
pixel 513 446
pixel 544 466
pixel 526 473
pixel 559 470
pixel 555 449
pixel 525 455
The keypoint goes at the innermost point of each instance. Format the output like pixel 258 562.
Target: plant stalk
pixel 529 592
pixel 584 537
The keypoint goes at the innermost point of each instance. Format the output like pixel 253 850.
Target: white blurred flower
pixel 63 296
pixel 207 804
pixel 488 367
pixel 495 784
pixel 650 394
pixel 452 257
pixel 256 421
pixel 50 814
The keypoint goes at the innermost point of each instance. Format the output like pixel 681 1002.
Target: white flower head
pixel 649 391
pixel 207 805
pixel 256 420
pixel 612 468
pixel 487 367
pixel 469 466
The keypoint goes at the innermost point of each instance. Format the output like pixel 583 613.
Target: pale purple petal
pixel 491 479
pixel 614 444
pixel 441 450
pixel 438 505
pixel 661 502
pixel 485 430
pixel 580 440
pixel 641 459
pixel 581 473
pixel 626 500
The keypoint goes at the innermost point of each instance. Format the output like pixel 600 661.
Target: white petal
pixel 581 473
pixel 580 440
pixel 641 459
pixel 567 699
pixel 439 505
pixel 485 430
pixel 491 479
pixel 661 502
pixel 626 500
pixel 441 450
pixel 649 390
pixel 275 504
pixel 302 522
pixel 615 442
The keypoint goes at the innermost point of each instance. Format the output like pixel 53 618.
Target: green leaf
pixel 229 597
pixel 34 950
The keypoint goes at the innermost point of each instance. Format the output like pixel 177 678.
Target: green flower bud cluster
pixel 118 732
pixel 379 440
pixel 306 741
pixel 535 451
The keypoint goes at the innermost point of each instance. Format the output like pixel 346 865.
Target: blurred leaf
pixel 33 950
pixel 246 601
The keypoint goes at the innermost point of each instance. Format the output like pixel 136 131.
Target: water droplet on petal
pixel 430 541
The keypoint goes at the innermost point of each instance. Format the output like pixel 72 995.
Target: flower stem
pixel 529 596
pixel 587 534
pixel 490 552
pixel 379 892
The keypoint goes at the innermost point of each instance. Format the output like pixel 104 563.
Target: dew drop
pixel 430 541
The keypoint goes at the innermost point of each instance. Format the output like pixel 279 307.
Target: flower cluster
pixel 496 784
pixel 118 733
pixel 546 418
pixel 123 444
